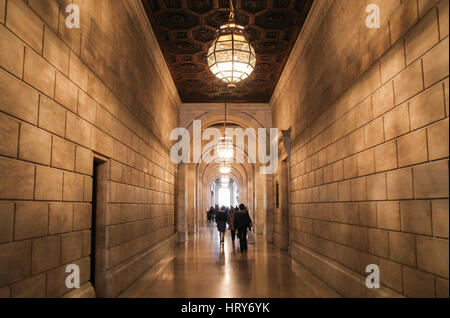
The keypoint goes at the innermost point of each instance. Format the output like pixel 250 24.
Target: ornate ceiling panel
pixel 186 28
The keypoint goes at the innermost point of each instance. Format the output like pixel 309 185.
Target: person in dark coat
pixel 215 210
pixel 209 214
pixel 221 220
pixel 242 223
pixel 231 224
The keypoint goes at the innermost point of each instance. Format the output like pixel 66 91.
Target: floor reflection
pixel 204 268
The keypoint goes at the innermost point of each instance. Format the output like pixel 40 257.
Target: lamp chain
pixel 225 123
pixel 231 19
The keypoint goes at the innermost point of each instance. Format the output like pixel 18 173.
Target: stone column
pixel 190 198
pixel 269 224
pixel 261 203
pixel 284 198
pixel 182 203
pixel 287 201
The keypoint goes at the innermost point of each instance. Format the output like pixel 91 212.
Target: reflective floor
pixel 202 268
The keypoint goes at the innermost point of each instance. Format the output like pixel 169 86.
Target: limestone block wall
pixel 369 113
pixel 67 96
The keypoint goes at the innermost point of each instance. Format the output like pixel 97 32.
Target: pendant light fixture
pixel 231 57
pixel 225 148
pixel 225 167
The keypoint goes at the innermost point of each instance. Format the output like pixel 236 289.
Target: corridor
pixel 202 269
pixel 123 123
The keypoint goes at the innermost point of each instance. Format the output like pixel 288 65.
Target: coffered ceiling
pixel 186 28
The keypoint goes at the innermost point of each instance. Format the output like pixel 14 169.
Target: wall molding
pixel 315 18
pixel 137 13
pixel 346 282
pixel 127 273
pixel 188 107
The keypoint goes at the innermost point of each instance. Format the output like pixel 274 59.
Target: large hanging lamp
pixel 231 57
pixel 225 150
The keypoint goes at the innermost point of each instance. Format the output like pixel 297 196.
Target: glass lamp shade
pixel 231 57
pixel 225 168
pixel 224 149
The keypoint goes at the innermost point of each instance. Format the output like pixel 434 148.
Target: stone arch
pixel 253 186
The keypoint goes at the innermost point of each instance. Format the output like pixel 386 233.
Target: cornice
pixel 315 18
pixel 258 107
pixel 137 13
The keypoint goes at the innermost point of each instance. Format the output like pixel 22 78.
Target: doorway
pixel 98 229
pixel 224 197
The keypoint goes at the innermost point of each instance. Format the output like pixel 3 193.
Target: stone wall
pixel 369 113
pixel 67 96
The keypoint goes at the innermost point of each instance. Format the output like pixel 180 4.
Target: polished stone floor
pixel 202 268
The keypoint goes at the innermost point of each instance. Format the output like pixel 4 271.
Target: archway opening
pixel 224 196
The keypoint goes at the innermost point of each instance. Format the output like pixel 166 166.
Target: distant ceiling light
pixel 225 179
pixel 231 58
pixel 225 168
pixel 225 149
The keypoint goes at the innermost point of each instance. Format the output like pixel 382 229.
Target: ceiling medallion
pixel 231 58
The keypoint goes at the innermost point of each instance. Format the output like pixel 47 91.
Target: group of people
pixel 238 220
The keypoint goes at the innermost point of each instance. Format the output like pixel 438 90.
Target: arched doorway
pixel 224 196
pixel 197 191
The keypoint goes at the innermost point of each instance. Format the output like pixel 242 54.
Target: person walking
pixel 216 209
pixel 230 222
pixel 221 220
pixel 209 214
pixel 242 223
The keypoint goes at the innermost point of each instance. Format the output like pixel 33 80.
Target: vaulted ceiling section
pixel 186 28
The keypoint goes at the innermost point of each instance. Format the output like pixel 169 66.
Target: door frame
pixel 101 212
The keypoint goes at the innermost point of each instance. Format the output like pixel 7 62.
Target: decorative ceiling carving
pixel 186 28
